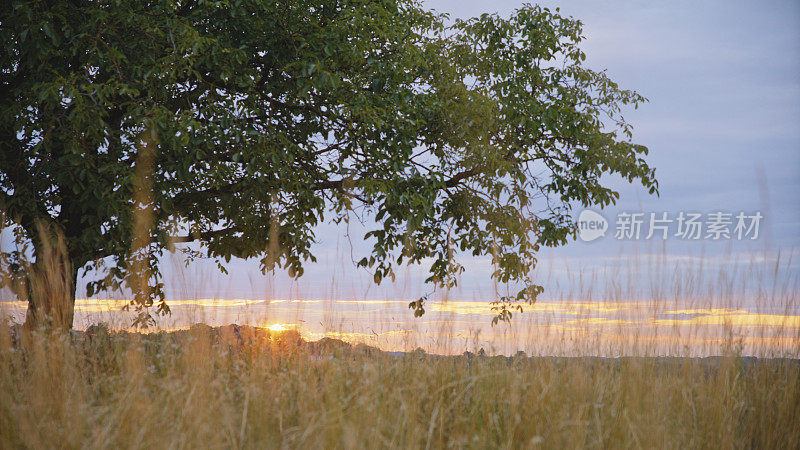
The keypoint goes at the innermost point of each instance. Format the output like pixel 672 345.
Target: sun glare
pixel 278 327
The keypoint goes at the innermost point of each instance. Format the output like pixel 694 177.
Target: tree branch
pixel 203 235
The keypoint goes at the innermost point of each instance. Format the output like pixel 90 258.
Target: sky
pixel 723 128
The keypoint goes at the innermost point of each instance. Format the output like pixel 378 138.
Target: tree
pixel 133 127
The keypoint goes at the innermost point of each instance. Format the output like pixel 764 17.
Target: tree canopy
pixel 242 124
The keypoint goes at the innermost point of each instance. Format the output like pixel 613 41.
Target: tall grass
pixel 231 388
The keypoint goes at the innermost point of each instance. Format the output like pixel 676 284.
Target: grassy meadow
pixel 240 387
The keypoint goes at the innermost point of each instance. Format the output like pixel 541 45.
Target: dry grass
pixel 206 389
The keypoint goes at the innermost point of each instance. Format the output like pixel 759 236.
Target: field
pixel 241 387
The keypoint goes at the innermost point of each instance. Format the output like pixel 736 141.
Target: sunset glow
pixel 278 327
pixel 548 327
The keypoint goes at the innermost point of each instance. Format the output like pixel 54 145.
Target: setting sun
pixel 278 327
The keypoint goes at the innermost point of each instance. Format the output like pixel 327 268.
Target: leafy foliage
pixel 265 118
